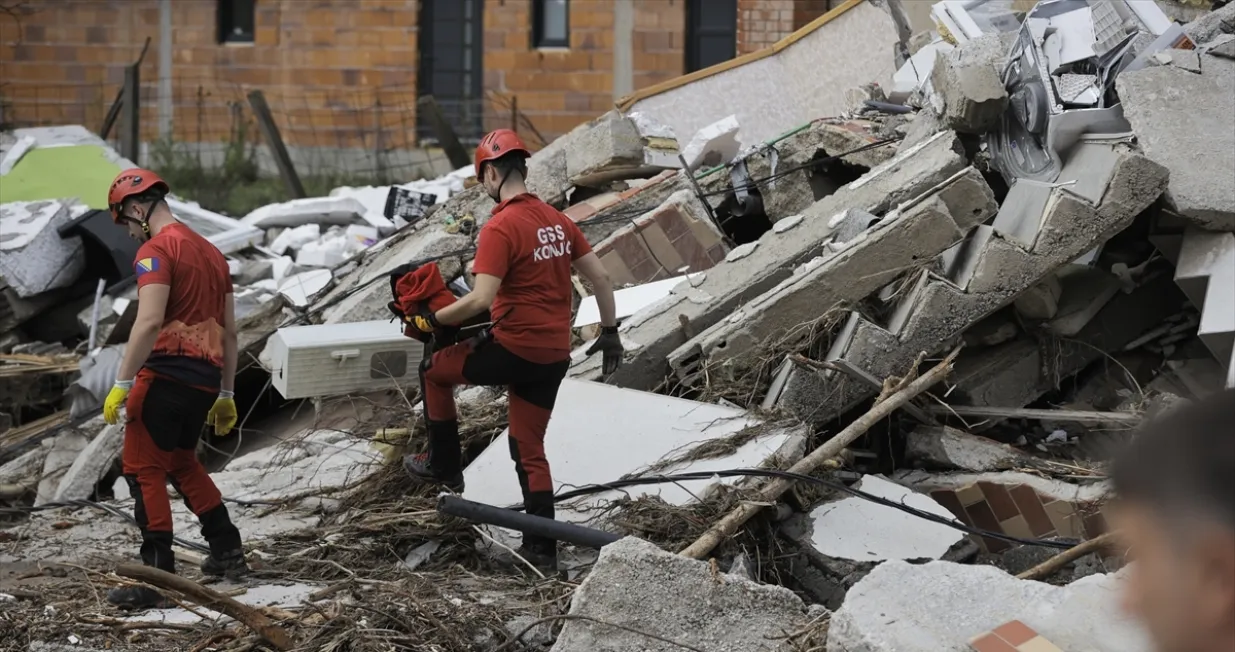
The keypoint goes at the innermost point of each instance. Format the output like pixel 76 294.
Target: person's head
pixel 1175 506
pixel 137 200
pixel 501 163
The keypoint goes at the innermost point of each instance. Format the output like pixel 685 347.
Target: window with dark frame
pixel 551 23
pixel 236 20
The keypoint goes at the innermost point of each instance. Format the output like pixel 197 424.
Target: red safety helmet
pixel 496 144
pixel 132 182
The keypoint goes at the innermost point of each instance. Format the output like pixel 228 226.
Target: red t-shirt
pixel 530 246
pixel 190 346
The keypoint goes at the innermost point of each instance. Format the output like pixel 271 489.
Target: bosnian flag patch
pixel 147 265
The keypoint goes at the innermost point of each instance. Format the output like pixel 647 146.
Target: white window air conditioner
pixel 339 359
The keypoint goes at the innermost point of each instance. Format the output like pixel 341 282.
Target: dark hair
pixel 153 195
pixel 1184 461
pixel 516 161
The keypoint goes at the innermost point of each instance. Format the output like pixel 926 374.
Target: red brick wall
pixel 561 88
pixel 317 65
pixel 327 66
pixel 761 23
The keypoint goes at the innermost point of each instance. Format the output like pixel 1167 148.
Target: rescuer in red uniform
pixel 522 267
pixel 177 375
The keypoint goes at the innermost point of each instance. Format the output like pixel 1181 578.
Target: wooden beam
pixel 772 491
pixel 274 140
pixel 1072 416
pixel 211 599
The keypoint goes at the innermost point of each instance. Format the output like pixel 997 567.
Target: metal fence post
pixel 514 113
pixel 130 116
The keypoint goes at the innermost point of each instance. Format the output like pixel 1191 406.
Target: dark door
pixel 452 64
pixel 711 32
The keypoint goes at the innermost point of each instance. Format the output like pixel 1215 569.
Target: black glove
pixel 425 321
pixel 610 344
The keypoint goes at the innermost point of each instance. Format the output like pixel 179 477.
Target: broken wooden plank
pixel 1072 416
pixel 35 428
pixel 252 618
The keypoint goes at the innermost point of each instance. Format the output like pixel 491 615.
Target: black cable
pixel 589 490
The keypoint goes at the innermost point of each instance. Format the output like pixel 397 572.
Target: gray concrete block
pixel 854 222
pixel 926 123
pixel 940 606
pixel 794 192
pixel 874 259
pixel 370 303
pixel 1002 271
pixel 63 451
pixel 1197 145
pixel 33 257
pixel 948 448
pixel 91 464
pixel 968 81
pixel 1213 24
pixel 614 147
pixel 643 587
pixel 658 331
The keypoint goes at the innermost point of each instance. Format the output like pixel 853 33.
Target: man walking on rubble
pixel 1175 490
pixel 177 375
pixel 523 277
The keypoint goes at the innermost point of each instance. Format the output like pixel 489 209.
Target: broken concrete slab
pixel 852 223
pixel 968 83
pixel 713 145
pixel 1199 150
pixel 64 450
pixel 643 587
pixel 1212 25
pixel 858 530
pixel 615 146
pixel 940 606
pixel 941 447
pixel 33 257
pixel 910 235
pixel 27 467
pixel 630 300
pixel 369 303
pixel 1021 371
pixel 659 329
pixel 791 193
pixel 1189 60
pixel 601 433
pixel 1001 271
pixel 91 465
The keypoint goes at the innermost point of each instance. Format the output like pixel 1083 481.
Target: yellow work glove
pixel 222 414
pixel 115 400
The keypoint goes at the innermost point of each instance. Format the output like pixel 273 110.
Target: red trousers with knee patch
pixel 532 389
pixel 165 420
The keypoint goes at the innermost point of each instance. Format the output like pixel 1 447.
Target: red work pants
pixel 165 420
pixel 532 389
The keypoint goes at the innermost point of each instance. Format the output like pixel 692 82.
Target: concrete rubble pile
pixel 1023 188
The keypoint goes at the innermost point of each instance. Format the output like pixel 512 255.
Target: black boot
pixel 226 554
pixel 138 597
pixel 230 565
pixel 540 551
pixel 418 467
pixel 443 463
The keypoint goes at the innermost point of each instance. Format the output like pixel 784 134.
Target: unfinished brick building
pixel 349 67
